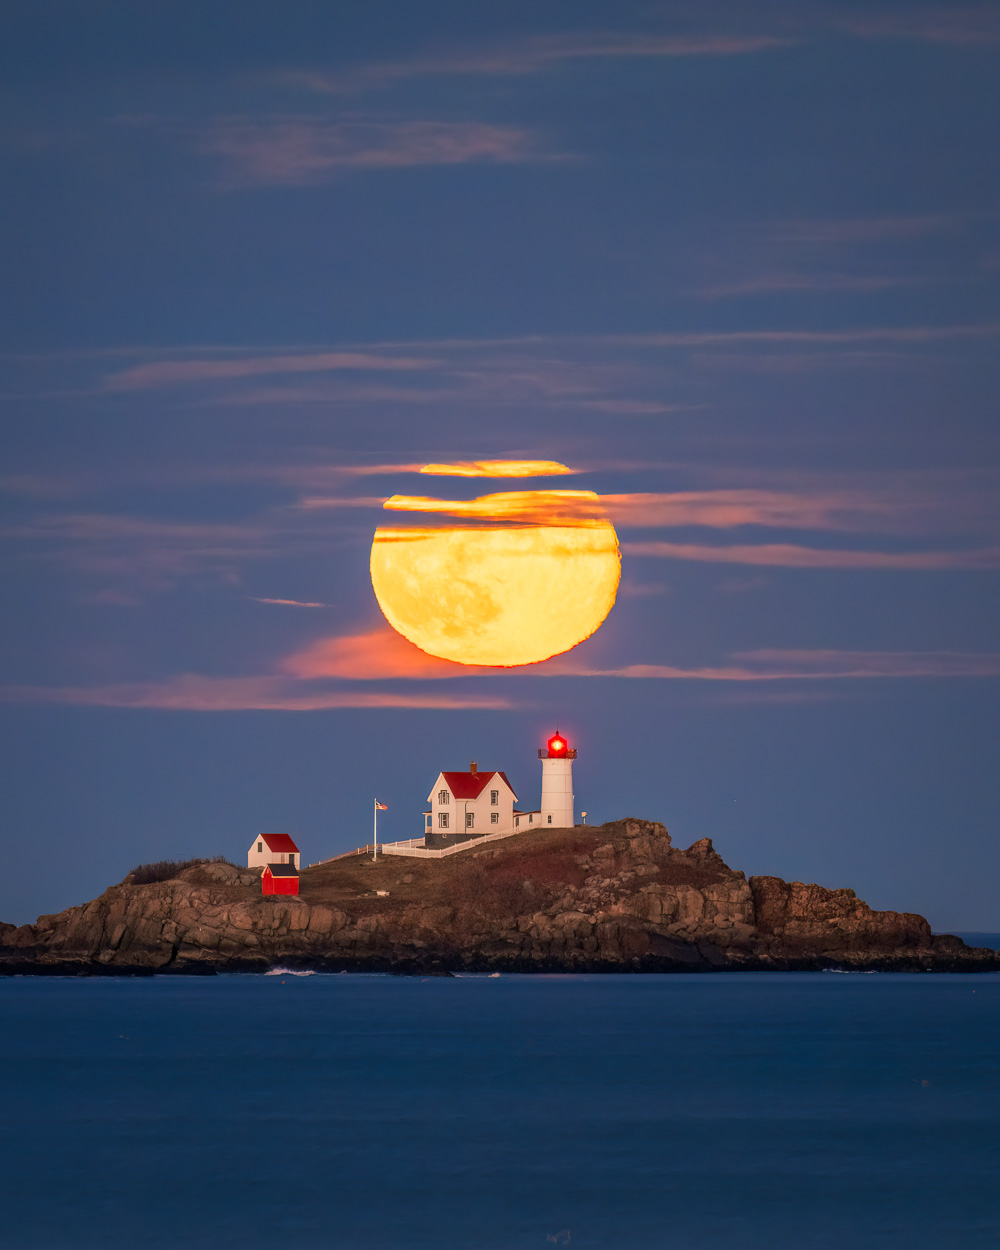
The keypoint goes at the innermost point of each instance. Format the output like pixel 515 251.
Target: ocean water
pixel 356 1113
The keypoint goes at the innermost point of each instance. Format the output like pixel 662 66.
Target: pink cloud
pixel 533 55
pixel 380 653
pixel 788 555
pixel 724 509
pixel 860 334
pixel 301 150
pixel 803 663
pixel 194 693
pixel 958 24
pixel 171 372
pixel 290 603
pixel 792 665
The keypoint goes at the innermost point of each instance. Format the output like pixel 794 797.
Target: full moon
pixel 496 596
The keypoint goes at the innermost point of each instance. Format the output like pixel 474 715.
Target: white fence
pixel 415 846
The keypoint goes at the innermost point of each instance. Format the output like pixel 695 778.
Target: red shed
pixel 279 879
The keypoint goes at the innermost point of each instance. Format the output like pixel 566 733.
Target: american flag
pixel 382 807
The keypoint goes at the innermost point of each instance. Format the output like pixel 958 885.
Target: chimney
pixel 472 768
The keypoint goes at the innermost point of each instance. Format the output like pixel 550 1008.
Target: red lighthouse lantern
pixel 557 748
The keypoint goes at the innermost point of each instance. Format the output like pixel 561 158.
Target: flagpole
pixel 375 850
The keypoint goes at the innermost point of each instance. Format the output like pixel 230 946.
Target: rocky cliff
pixel 615 897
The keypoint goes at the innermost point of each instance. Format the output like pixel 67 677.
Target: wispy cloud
pixel 382 654
pixel 290 603
pixel 835 663
pixel 777 665
pixel 299 151
pixel 533 55
pixel 171 372
pixel 895 507
pixel 863 229
pixel 728 509
pixel 195 693
pixel 154 553
pixel 791 556
pixel 787 283
pixel 967 25
pixel 719 31
pixel 848 335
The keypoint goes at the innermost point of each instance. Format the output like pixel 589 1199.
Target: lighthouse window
pixel 494 818
pixel 442 796
pixel 470 820
pixel 494 797
pixel 442 820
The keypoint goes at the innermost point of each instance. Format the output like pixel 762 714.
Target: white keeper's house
pixel 467 805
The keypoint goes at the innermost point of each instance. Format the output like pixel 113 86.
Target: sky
pixel 736 266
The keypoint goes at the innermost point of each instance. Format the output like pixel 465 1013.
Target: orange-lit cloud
pixel 195 693
pixel 531 507
pixel 290 603
pixel 499 468
pixel 380 653
pixel 788 555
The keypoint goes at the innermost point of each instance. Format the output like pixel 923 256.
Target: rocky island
pixel 617 897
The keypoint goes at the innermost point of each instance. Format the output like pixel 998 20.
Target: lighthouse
pixel 557 782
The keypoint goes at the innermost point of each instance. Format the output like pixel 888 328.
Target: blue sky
pixel 736 265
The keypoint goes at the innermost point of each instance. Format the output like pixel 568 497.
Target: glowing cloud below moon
pixel 496 595
pixel 498 468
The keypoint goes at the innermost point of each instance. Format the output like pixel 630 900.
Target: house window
pixel 428 820
pixel 442 796
pixel 517 822
pixel 531 820
pixel 442 820
pixel 494 797
pixel 550 820
pixel 260 848
pixel 494 818
pixel 470 820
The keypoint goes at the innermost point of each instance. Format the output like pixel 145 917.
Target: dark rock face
pixel 616 897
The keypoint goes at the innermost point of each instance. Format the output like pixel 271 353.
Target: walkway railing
pixel 415 849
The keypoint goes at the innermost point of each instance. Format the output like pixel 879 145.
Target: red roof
pixel 471 785
pixel 278 842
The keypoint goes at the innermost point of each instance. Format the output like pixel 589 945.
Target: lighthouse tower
pixel 557 782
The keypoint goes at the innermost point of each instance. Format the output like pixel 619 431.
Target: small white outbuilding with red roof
pixel 272 848
pixel 468 805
